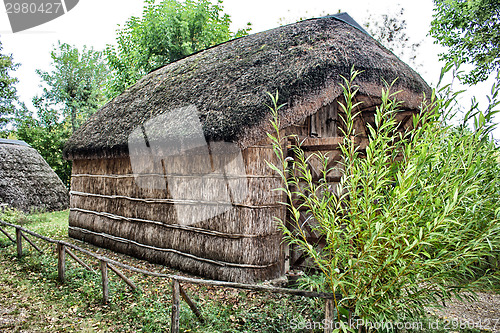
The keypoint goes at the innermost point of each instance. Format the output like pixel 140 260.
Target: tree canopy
pixel 72 91
pixel 470 29
pixel 75 83
pixel 390 30
pixel 8 92
pixel 47 134
pixel 167 31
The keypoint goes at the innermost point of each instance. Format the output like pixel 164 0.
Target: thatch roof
pixel 26 181
pixel 228 83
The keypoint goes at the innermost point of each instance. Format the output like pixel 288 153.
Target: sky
pixel 94 23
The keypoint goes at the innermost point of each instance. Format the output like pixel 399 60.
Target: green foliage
pixel 47 134
pixel 75 83
pixel 8 91
pixel 167 31
pixel 15 216
pixel 12 215
pixel 471 31
pixel 72 92
pixel 415 216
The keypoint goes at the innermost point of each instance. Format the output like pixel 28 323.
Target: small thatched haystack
pixel 27 182
pixel 174 169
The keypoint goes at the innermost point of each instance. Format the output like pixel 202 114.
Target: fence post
pixel 19 243
pixel 175 306
pixel 329 315
pixel 105 282
pixel 61 262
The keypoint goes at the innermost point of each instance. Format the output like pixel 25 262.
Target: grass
pixel 33 301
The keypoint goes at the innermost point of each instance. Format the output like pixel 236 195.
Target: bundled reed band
pixel 200 197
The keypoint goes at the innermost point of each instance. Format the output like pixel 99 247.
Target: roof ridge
pixel 14 142
pixel 342 17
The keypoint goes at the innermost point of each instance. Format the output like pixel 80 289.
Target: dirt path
pixel 484 313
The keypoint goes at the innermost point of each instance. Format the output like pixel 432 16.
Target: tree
pixel 75 83
pixel 8 91
pixel 471 32
pixel 45 132
pixel 72 92
pixel 390 31
pixel 166 32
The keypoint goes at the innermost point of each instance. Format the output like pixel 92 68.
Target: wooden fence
pixel 178 292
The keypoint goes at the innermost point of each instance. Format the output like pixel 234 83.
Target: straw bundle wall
pixel 241 244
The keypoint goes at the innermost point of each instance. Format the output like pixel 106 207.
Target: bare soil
pixel 482 313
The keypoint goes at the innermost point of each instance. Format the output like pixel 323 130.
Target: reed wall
pixel 237 242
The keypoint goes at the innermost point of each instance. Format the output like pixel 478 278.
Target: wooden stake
pixel 78 260
pixel 123 277
pixel 191 304
pixel 31 243
pixel 175 306
pixel 61 262
pixel 287 257
pixel 19 243
pixel 105 282
pixel 8 236
pixel 329 315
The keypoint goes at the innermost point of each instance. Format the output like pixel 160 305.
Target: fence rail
pixel 178 292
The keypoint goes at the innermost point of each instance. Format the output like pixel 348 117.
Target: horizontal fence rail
pixel 178 292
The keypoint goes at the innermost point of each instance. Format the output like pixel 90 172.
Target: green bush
pixel 12 215
pixel 414 218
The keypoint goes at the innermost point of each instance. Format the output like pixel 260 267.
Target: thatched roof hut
pixel 205 117
pixel 27 182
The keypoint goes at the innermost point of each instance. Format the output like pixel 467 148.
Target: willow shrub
pixel 414 219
